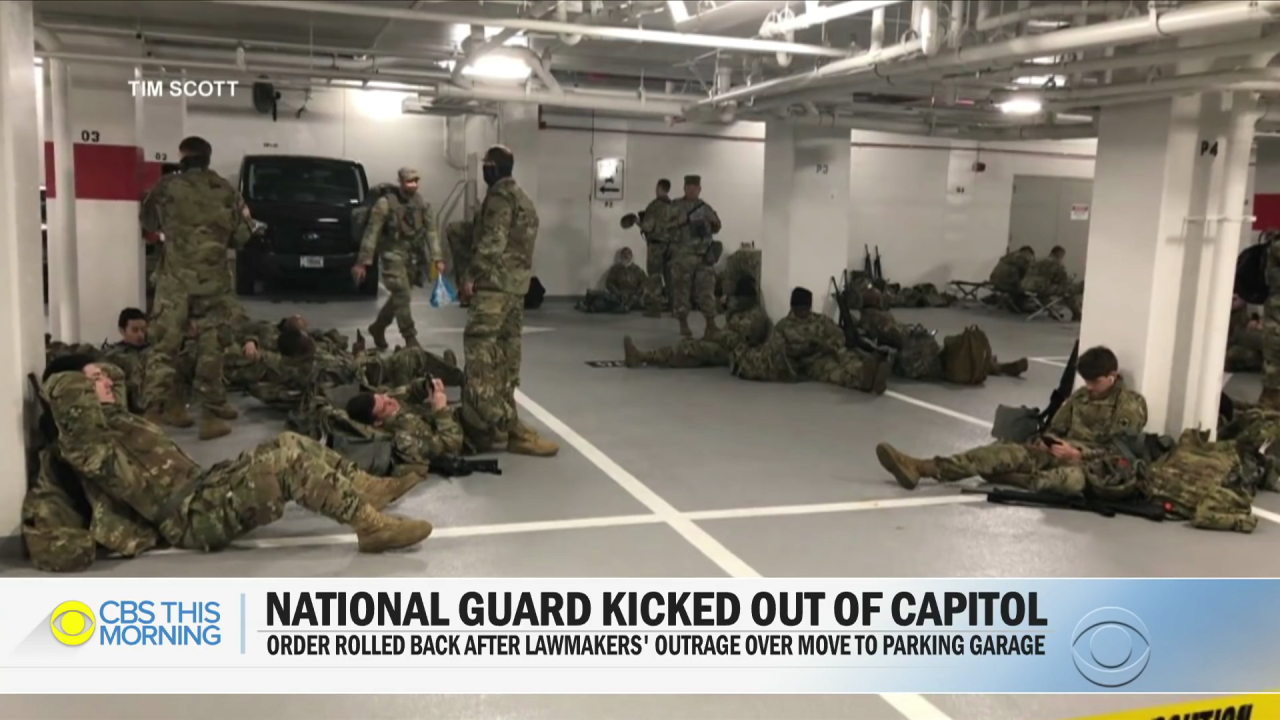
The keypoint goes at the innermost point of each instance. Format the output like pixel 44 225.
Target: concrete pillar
pixel 806 212
pixel 64 273
pixel 21 305
pixel 1169 201
pixel 518 130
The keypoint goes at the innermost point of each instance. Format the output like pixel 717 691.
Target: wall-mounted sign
pixel 610 179
pixel 1079 211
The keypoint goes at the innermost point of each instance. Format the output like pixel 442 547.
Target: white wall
pixel 918 199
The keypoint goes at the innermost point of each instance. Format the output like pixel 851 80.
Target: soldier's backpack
pixel 369 449
pixel 533 299
pixel 360 215
pixel 856 284
pixel 920 357
pixel 966 357
pixel 1251 272
pixel 1196 471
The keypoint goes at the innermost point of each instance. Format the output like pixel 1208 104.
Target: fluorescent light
pixel 679 12
pixel 458 33
pixel 1021 106
pixel 1041 80
pixel 498 67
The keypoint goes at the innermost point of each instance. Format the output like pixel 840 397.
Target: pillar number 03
pixel 90 136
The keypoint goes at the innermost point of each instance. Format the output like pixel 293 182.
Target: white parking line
pixel 1056 362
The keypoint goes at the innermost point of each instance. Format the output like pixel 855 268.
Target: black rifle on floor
pixel 462 467
pixel 853 339
pixel 1087 503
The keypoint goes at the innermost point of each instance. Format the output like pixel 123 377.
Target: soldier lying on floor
pixel 746 325
pixel 422 429
pixel 110 478
pixel 806 345
pixel 919 356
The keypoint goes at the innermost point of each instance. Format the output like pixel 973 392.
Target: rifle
pixel 853 339
pixel 879 276
pixel 462 467
pixel 1065 386
pixel 1086 502
pixel 868 267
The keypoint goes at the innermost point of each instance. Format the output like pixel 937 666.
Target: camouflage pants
pixel 175 310
pixel 693 285
pixel 407 365
pixel 240 495
pixel 458 236
pixel 599 301
pixel 766 362
pixel 492 346
pixel 1243 359
pixel 847 369
pixel 395 278
pixel 658 268
pixel 1023 466
pixel 691 353
pixel 1271 343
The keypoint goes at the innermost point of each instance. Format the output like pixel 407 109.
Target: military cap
pixel 693 180
pixel 408 174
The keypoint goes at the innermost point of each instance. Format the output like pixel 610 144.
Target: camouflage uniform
pixel 918 354
pixel 419 438
pixel 199 213
pixel 656 228
pixel 459 235
pixel 1244 344
pixel 811 348
pixel 500 269
pixel 143 488
pixel 1085 422
pixel 745 327
pixel 692 224
pixel 1271 331
pixel 623 287
pixel 1047 278
pixel 402 230
pixel 746 260
pixel 1007 275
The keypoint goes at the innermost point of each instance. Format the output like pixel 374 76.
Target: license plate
pixel 313 262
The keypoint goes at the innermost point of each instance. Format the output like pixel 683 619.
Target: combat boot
pixel 1013 369
pixel 379 336
pixel 378 532
pixel 875 374
pixel 381 492
pixel 685 331
pixel 524 440
pixel 175 415
pixel 1269 399
pixel 222 412
pixel 633 356
pixel 450 358
pixel 358 346
pixel 904 468
pixel 711 330
pixel 412 342
pixel 213 427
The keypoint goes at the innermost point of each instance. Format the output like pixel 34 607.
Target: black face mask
pixel 491 175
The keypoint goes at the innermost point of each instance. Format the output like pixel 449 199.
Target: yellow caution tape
pixel 1238 707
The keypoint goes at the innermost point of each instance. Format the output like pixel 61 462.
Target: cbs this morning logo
pixel 134 623
pixel 1110 647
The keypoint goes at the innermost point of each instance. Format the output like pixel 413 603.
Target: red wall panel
pixel 105 172
pixel 1266 207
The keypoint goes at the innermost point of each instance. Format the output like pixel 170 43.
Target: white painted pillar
pixel 64 273
pixel 518 130
pixel 21 303
pixel 806 212
pixel 1162 246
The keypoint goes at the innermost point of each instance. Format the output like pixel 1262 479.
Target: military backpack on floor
pixel 1201 481
pixel 967 357
pixel 920 357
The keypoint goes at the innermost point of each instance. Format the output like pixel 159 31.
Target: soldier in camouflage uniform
pixel 142 489
pixel 496 283
pixel 655 222
pixel 1006 276
pixel 806 345
pixel 691 225
pixel 1048 278
pixel 1270 397
pixel 1244 339
pixel 401 229
pixel 459 235
pixel 1095 414
pixel 623 286
pixel 197 215
pixel 747 325
pixel 418 438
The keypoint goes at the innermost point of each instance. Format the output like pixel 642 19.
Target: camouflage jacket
pixel 199 213
pixel 656 225
pixel 1090 423
pixel 1273 269
pixel 1010 270
pixel 418 438
pixel 505 234
pixel 880 327
pixel 809 339
pixel 744 328
pixel 401 227
pixel 625 283
pixel 1046 275
pixel 132 361
pixel 691 225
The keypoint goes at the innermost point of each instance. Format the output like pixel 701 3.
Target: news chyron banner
pixel 419 635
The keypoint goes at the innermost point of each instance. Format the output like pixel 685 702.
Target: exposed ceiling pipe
pixel 877 30
pixel 929 28
pixel 562 15
pixel 1049 10
pixel 1145 59
pixel 318 62
pixel 566 99
pixel 46 40
pixel 1192 19
pixel 535 64
pixel 419 77
pixel 387 25
pixel 821 15
pixel 932 129
pixel 497 41
pixel 955 32
pixel 662 37
pixel 1268 78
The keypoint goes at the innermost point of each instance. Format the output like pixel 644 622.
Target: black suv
pixel 306 204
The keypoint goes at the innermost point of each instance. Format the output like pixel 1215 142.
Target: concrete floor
pixel 781 479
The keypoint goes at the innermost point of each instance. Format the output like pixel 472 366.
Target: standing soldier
pixel 197 215
pixel 1270 398
pixel 693 224
pixel 401 228
pixel 496 282
pixel 655 226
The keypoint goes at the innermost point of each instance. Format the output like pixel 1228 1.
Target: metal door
pixel 1048 211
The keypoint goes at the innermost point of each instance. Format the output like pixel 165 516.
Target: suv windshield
pixel 303 180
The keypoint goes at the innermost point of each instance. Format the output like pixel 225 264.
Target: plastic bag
pixel 443 293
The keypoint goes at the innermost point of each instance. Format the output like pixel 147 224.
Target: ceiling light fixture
pixel 498 67
pixel 1021 106
pixel 679 11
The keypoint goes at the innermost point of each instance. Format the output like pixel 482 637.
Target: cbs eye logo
pixel 1110 647
pixel 72 623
